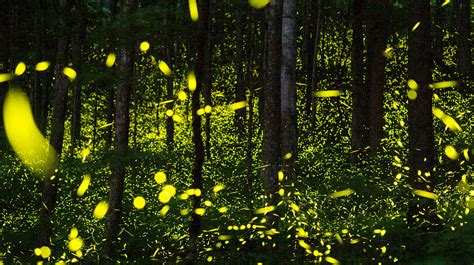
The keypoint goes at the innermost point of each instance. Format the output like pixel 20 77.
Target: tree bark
pixel 289 134
pixel 463 38
pixel 50 184
pixel 77 58
pixel 378 19
pixel 4 58
pixel 202 72
pixel 122 127
pixel 271 146
pixel 239 89
pixel 360 100
pixel 420 121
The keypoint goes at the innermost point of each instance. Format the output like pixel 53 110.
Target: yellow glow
pixel 444 84
pixel 25 138
pixel 192 83
pixel 425 194
pixel 328 93
pixel 20 68
pixel 238 105
pixel 164 210
pixel 164 68
pixel 42 66
pixel 265 210
pixel 169 113
pixel 416 26
pixel 218 188
pixel 341 193
pixel 200 211
pixel 200 112
pixel 84 185
pixel 177 119
pixel 208 109
pixel 5 77
pixel 412 84
pixel 144 46
pixel 110 61
pixel 75 244
pixel 139 202
pixel 193 10
pixel 451 152
pixel 160 177
pixel 331 260
pixel 73 234
pixel 45 252
pixel 182 95
pixel 223 209
pixel 412 95
pixel 259 4
pixel 70 73
pixel 445 3
pixel 100 210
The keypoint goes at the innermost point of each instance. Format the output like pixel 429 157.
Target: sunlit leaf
pixel 193 10
pixel 100 210
pixel 20 68
pixel 84 185
pixel 425 194
pixel 25 138
pixel 259 4
pixel 328 93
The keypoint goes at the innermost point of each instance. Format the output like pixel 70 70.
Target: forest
pixel 236 132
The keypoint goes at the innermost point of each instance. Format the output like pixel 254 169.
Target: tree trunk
pixel 4 58
pixel 314 69
pixel 360 100
pixel 420 120
pixel 50 184
pixel 202 72
pixel 271 146
pixel 77 58
pixel 439 20
pixel 170 105
pixel 122 127
pixel 239 89
pixel 377 33
pixel 289 137
pixel 463 38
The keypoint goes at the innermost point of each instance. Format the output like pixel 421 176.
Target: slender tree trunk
pixel 463 38
pixel 122 127
pixel 239 89
pixel 169 106
pixel 314 69
pixel 201 70
pixel 50 184
pixel 439 20
pixel 77 58
pixel 420 119
pixel 4 58
pixel 360 115
pixel 207 86
pixel 377 34
pixel 289 135
pixel 271 146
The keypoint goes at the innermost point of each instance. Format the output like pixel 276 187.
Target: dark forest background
pixel 234 131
